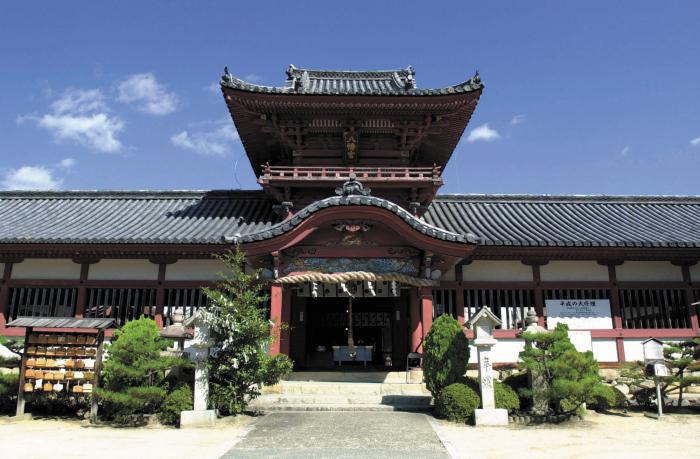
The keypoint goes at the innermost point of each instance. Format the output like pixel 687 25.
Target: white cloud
pixel 517 119
pixel 81 116
pixel 252 78
pixel 216 141
pixel 97 130
pixel 150 96
pixel 31 178
pixel 695 142
pixel 483 133
pixel 66 164
pixel 79 101
pixel 625 151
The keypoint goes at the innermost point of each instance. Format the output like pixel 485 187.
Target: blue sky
pixel 591 97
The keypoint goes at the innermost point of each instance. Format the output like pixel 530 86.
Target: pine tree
pixel 241 335
pixel 135 374
pixel 569 378
pixel 683 359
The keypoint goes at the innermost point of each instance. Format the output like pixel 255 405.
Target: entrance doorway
pixel 320 328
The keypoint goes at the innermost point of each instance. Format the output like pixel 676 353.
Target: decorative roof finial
pixel 352 187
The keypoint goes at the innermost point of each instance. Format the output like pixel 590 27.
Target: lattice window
pixel 122 304
pixel 42 302
pixel 444 302
pixel 510 305
pixel 186 299
pixel 654 308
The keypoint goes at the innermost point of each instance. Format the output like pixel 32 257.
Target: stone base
pixel 197 418
pixel 491 417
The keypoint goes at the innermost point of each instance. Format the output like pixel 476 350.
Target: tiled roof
pixel 207 217
pixel 61 322
pixel 400 82
pixel 356 200
pixel 139 217
pixel 571 221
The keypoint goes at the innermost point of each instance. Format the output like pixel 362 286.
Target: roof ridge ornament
pixel 352 187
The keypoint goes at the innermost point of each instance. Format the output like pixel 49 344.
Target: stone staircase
pixel 345 391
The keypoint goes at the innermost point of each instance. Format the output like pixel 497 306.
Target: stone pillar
pixel 200 416
pixel 488 398
pixel 483 323
pixel 276 300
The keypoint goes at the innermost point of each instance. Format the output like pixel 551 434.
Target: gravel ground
pixel 599 436
pixel 358 435
pixel 58 439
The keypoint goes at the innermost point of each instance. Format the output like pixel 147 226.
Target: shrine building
pixel 361 250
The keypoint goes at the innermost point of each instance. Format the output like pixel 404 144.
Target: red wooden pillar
pixel 81 299
pixel 160 296
pixel 416 328
pixel 459 300
pixel 285 339
pixel 276 300
pixel 616 313
pixel 426 304
pixel 4 293
pixel 539 294
pixel 693 310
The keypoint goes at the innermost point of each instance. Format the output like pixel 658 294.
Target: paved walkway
pixel 368 434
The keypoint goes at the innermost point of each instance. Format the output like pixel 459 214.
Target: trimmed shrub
pixel 606 397
pixel 9 383
pixel 457 402
pixel 176 402
pixel 445 354
pixel 505 397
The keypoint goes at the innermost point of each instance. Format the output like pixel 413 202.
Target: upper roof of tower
pixel 398 82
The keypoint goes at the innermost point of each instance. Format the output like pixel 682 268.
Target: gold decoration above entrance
pixel 356 276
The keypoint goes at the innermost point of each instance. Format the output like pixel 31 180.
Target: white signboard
pixel 579 314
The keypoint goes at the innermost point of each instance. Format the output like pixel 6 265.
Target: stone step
pixel 304 407
pixel 332 388
pixel 355 376
pixel 344 399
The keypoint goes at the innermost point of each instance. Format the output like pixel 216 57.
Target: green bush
pixel 445 354
pixel 8 392
pixel 606 397
pixel 457 402
pixel 176 402
pixel 504 396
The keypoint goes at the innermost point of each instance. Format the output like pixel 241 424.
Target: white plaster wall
pixel 46 268
pixel 648 271
pixel 496 271
pixel 194 270
pixel 581 271
pixel 605 350
pixel 125 269
pixel 505 351
pixel 695 273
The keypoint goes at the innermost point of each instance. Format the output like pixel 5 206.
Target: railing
pixel 42 302
pixel 343 173
pixel 654 308
pixel 121 304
